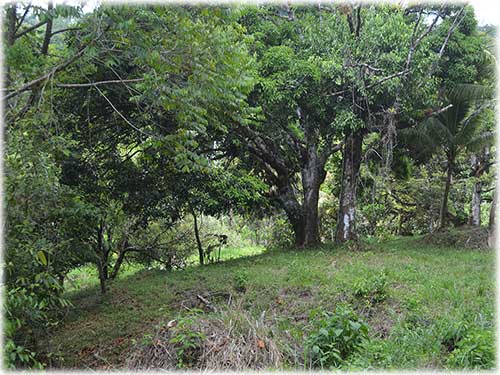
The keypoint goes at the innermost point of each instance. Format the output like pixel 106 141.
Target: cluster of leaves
pixel 186 339
pixel 372 289
pixel 48 234
pixel 476 350
pixel 334 338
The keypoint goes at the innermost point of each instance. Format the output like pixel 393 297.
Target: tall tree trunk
pixel 443 213
pixel 475 218
pixel 294 213
pixel 10 35
pixel 48 29
pixel 102 257
pixel 346 221
pixel 102 277
pixel 122 250
pixel 313 175
pixel 480 164
pixel 198 240
pixel 492 224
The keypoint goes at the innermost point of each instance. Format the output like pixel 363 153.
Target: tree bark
pixel 492 224
pixel 11 19
pixel 475 218
pixel 48 29
pixel 294 213
pixel 10 36
pixel 480 164
pixel 313 175
pixel 102 258
pixel 443 213
pixel 346 221
pixel 102 278
pixel 119 260
pixel 198 240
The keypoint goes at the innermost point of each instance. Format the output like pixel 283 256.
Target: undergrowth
pixel 400 304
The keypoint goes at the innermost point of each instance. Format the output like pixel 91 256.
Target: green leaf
pixel 41 257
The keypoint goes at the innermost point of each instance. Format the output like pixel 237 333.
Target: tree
pixel 48 233
pixel 327 80
pixel 455 129
pixel 165 134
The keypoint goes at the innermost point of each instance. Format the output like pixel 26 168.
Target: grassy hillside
pixel 420 302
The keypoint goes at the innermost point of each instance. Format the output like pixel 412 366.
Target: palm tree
pixel 456 128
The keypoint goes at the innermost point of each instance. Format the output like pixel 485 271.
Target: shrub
pixel 335 337
pixel 187 340
pixel 240 281
pixel 372 289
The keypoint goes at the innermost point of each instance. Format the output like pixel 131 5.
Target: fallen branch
pixel 207 303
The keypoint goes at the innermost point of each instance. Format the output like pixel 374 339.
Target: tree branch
pixel 64 30
pixel 30 29
pixel 46 76
pixel 94 84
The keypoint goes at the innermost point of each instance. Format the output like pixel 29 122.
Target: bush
pixel 48 233
pixel 475 351
pixel 372 289
pixel 276 231
pixel 335 337
pixel 240 281
pixel 187 340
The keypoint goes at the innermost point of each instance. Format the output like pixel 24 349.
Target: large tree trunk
pixel 443 213
pixel 48 29
pixel 346 221
pixel 122 250
pixel 313 175
pixel 294 213
pixel 480 164
pixel 9 36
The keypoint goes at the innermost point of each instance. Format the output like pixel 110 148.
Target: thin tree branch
pixel 121 115
pixel 454 25
pixel 46 76
pixel 21 20
pixel 30 29
pixel 94 84
pixel 64 30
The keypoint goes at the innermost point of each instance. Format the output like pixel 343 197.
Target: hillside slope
pixel 421 303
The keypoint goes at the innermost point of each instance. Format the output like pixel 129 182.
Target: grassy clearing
pixel 431 301
pixel 86 276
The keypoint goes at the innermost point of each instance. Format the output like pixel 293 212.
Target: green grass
pixel 428 290
pixel 86 276
pixel 232 253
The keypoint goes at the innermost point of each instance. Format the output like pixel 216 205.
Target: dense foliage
pixel 154 135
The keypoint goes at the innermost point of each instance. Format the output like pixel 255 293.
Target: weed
pixel 335 337
pixel 187 340
pixel 240 282
pixel 474 351
pixel 372 289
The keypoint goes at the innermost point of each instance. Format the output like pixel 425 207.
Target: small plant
pixel 372 289
pixel 475 351
pixel 240 281
pixel 451 332
pixel 187 340
pixel 335 337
